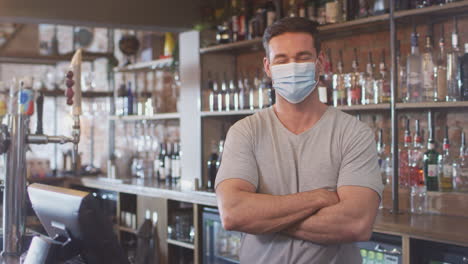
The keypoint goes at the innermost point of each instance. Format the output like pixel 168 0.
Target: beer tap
pixel 14 139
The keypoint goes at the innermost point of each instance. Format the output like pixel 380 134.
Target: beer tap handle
pixel 40 111
pixel 69 92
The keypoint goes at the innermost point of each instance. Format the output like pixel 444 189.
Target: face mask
pixel 294 81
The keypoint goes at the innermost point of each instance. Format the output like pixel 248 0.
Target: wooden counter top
pixel 445 229
pixel 148 188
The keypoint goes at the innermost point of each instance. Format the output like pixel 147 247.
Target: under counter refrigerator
pixel 219 246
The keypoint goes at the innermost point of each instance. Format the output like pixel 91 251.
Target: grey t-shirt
pixel 338 150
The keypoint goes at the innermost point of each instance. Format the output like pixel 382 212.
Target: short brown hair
pixel 291 24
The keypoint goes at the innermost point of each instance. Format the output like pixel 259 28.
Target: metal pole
pixel 15 191
pixel 111 82
pixel 393 113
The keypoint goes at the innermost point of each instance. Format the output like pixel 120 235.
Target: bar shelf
pixel 335 30
pixel 370 107
pixel 180 243
pixel 432 105
pixel 164 116
pixel 228 113
pixel 147 66
pixel 52 59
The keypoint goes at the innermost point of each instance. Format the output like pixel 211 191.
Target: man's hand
pixel 244 210
pixel 350 220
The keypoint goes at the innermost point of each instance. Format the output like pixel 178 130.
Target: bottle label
pixel 242 26
pixel 448 171
pixel 168 169
pixel 432 170
pixel 413 78
pixel 161 170
pixel 235 24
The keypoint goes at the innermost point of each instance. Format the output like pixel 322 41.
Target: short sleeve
pixel 238 159
pixel 359 165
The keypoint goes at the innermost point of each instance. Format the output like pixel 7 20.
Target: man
pixel 301 179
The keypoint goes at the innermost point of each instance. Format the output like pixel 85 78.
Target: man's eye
pixel 304 58
pixel 280 61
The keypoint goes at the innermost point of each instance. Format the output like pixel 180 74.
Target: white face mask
pixel 294 81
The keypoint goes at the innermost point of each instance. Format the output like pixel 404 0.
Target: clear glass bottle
pixel 453 77
pixel 339 88
pixel 441 72
pixel 354 93
pixel 418 199
pixel 405 157
pixel 210 86
pixel 220 95
pixel 382 92
pixel 445 164
pixel 413 68
pixel 256 90
pixel 234 96
pixel 402 80
pixel 383 158
pixel 242 92
pixel 226 94
pixel 461 178
pixel 368 87
pixel 427 70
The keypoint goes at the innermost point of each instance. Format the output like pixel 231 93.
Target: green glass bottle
pixel 431 158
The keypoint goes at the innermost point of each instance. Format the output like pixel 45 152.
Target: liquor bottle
pixel 427 71
pixel 322 12
pixel 210 87
pixel 293 9
pixel 380 7
pixel 339 89
pixel 401 70
pixel 413 67
pixel 225 97
pixel 122 100
pixel 251 91
pixel 130 100
pixel 242 22
pixel 334 11
pixel 160 163
pixel 382 92
pixel 404 157
pixel 168 163
pixel 383 158
pixel 325 88
pixel 445 166
pixel 368 85
pixel 464 74
pixel 441 71
pixel 271 14
pixel 453 88
pixel 211 166
pixel 256 91
pixel 354 93
pixel 266 92
pixel 233 96
pixel 363 9
pixel 416 161
pixel 175 164
pixel 223 33
pixel 461 178
pixel 431 157
pixel 311 10
pixel 235 13
pixel 243 98
pixel 302 10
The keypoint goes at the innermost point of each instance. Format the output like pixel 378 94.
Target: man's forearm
pixel 340 223
pixel 261 213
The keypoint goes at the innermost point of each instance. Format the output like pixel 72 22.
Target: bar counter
pixel 445 229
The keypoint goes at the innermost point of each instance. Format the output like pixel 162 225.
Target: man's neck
pixel 300 117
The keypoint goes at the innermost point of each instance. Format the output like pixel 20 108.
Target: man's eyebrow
pixel 280 56
pixel 301 53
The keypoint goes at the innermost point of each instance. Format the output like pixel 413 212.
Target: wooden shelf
pixel 370 107
pixel 340 29
pixel 85 94
pixel 180 243
pixel 52 60
pixel 228 113
pixel 165 116
pixel 432 105
pixel 252 45
pixel 146 66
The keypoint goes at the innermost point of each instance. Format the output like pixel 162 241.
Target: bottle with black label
pixel 168 163
pixel 159 163
pixel 431 170
pixel 211 167
pixel 175 161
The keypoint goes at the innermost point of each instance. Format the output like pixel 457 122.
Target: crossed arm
pixel 319 216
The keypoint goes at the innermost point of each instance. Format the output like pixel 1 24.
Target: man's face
pixel 291 47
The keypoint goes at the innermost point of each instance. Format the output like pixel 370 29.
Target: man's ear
pixel 266 66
